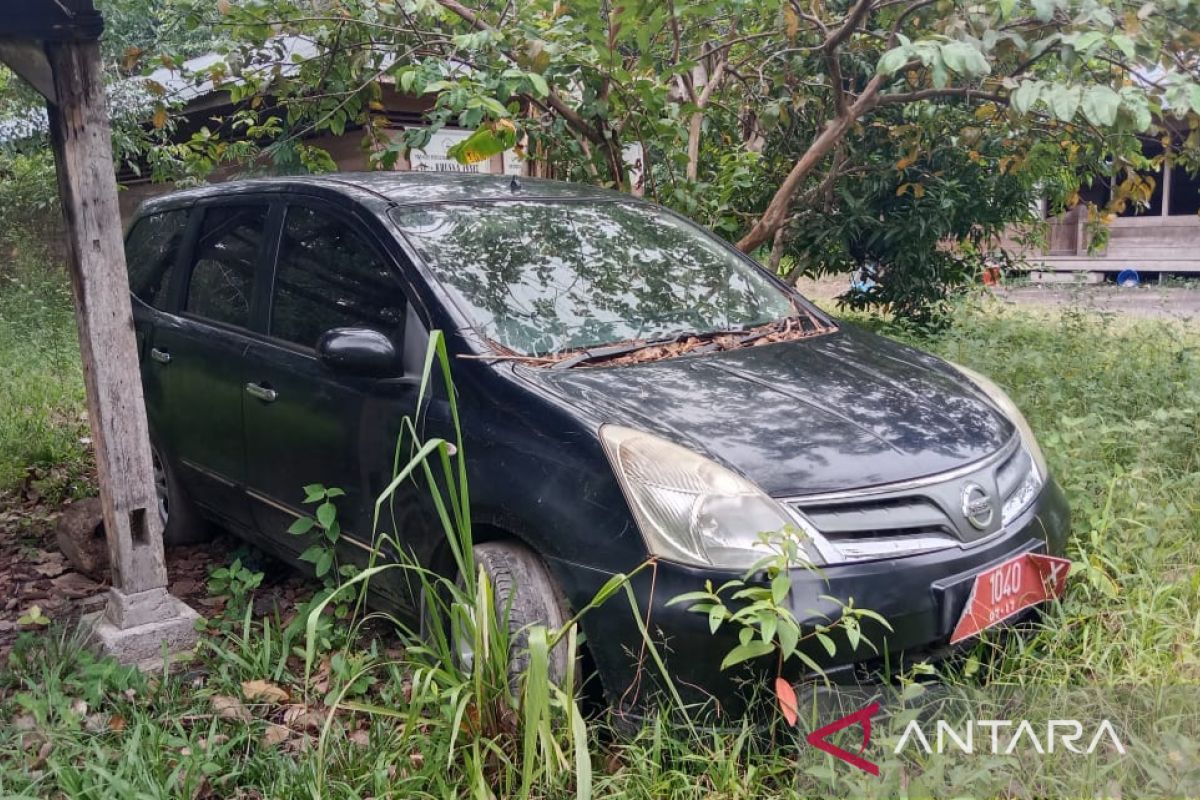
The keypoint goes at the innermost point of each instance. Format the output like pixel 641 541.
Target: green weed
pixel 1116 405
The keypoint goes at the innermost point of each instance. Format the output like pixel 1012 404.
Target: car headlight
pixel 1027 490
pixel 691 509
pixel 1010 410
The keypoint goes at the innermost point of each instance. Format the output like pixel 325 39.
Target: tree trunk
pixel 781 203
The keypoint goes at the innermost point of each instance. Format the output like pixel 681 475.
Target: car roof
pixel 388 189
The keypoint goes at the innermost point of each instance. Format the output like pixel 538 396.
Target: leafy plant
pixel 757 606
pixel 235 580
pixel 322 554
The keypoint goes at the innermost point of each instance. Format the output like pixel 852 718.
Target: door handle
pixel 161 356
pixel 261 392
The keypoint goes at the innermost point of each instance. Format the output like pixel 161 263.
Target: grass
pixel 43 426
pixel 1117 408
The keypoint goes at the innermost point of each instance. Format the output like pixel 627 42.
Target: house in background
pixel 1159 239
pixel 198 102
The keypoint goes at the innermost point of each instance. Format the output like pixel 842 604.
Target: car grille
pixel 926 514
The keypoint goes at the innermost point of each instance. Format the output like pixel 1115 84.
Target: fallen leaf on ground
pixel 42 755
pixel 75 585
pixel 50 569
pixel 33 616
pixel 360 738
pixel 264 692
pixel 227 707
pixel 276 735
pixel 299 718
pixel 215 741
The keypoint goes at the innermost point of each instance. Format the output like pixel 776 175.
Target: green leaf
pixel 1025 96
pixel 540 87
pixel 334 492
pixel 789 637
pixel 484 143
pixel 781 584
pixel 301 526
pixel 313 554
pixel 313 492
pixel 1194 97
pixel 716 615
pixel 853 633
pixel 1044 9
pixel 768 624
pixel 1064 101
pixel 687 597
pixel 963 59
pixel 614 583
pixel 326 514
pixel 892 60
pixel 1125 45
pixel 1100 104
pixel 828 644
pixel 324 563
pixel 1085 43
pixel 745 652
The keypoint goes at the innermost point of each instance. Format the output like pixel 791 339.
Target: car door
pixel 306 423
pixel 197 357
pixel 153 247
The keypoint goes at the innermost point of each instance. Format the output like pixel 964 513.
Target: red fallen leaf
pixel 787 701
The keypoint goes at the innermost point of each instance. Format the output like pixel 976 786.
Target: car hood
pixel 840 411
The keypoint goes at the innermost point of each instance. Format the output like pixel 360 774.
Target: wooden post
pixel 140 615
pixel 87 187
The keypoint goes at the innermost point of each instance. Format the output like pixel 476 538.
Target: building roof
pixel 50 20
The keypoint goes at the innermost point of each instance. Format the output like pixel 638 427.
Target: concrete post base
pixel 137 628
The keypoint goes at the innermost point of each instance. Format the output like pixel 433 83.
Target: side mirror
pixel 359 351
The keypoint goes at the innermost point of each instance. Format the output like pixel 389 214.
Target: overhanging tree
pixel 716 92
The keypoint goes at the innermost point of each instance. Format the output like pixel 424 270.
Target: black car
pixel 629 386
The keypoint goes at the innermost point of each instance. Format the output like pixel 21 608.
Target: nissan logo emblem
pixel 977 505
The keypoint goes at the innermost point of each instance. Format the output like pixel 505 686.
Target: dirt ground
pixel 1176 301
pixel 33 572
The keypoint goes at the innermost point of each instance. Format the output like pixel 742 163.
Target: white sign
pixel 433 157
pixel 514 164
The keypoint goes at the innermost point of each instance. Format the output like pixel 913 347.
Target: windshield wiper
pixel 616 350
pixel 609 351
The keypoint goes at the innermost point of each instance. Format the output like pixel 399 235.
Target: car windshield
pixel 545 277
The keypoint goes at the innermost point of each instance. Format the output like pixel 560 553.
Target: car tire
pixel 522 584
pixel 182 523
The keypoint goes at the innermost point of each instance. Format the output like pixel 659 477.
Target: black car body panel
pixel 842 411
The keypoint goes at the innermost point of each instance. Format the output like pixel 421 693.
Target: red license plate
pixel 1010 588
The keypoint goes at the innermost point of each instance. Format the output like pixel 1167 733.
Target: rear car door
pixel 196 359
pixel 306 423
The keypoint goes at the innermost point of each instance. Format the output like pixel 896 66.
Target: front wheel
pixel 522 585
pixel 182 523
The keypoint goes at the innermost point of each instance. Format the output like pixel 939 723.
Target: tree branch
pixel 573 118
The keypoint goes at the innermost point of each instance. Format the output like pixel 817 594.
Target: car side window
pixel 329 276
pixel 225 256
pixel 151 250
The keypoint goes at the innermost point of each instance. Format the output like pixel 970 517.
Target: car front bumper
pixel 921 597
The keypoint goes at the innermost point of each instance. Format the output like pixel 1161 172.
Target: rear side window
pixel 226 254
pixel 328 276
pixel 150 254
